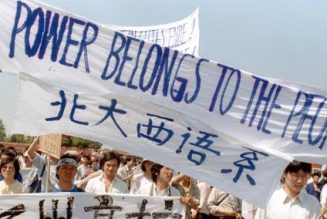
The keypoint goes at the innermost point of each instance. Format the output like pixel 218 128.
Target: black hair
pixel 316 174
pixel 155 170
pixel 111 155
pixel 62 157
pixel 4 162
pixel 13 149
pixel 142 165
pixel 130 157
pixel 9 153
pixel 295 166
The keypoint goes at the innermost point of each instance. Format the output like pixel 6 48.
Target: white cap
pixel 69 161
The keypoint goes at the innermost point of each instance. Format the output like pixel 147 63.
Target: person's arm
pixel 83 182
pixel 177 179
pixel 212 201
pixel 214 204
pixel 189 201
pixel 32 147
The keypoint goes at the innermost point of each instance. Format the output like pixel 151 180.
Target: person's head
pixel 27 160
pixel 146 165
pixel 109 163
pixel 130 161
pixel 85 160
pixel 12 150
pixel 295 177
pixel 8 154
pixel 9 168
pixel 161 173
pixel 315 177
pixel 94 156
pixel 73 154
pixel 94 165
pixel 66 169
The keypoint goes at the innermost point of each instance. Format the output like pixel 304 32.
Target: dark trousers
pixel 221 217
pixel 203 216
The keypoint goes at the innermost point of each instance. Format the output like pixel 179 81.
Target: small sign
pixel 51 144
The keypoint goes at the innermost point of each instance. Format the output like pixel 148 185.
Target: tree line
pixel 67 141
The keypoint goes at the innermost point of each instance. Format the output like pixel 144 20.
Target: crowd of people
pixel 107 171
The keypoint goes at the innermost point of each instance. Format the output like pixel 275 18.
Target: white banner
pixel 183 35
pixel 148 130
pixel 87 206
pixel 205 119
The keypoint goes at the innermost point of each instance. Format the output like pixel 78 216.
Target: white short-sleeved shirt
pixel 280 206
pixel 96 185
pixel 151 190
pixel 139 181
pixel 13 188
pixel 81 171
pixel 323 196
pixel 204 194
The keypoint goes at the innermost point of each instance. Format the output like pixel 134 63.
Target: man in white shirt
pixel 323 200
pixel 223 205
pixel 126 172
pixel 291 201
pixel 107 182
pixel 160 186
pixel 142 179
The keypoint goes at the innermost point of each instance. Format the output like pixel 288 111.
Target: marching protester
pixel 28 171
pixel 107 181
pixel 223 205
pixel 291 200
pixel 323 201
pixel 202 211
pixel 323 177
pixel 161 177
pixel 144 178
pixel 93 168
pixel 126 172
pixel 39 162
pixel 10 153
pixel 83 168
pixel 314 188
pixel 66 172
pixel 9 170
pixel 189 191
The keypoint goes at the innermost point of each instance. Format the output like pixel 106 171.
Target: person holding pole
pixel 40 163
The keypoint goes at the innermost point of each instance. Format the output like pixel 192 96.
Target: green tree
pixel 2 131
pixel 67 141
pixel 71 141
pixel 18 138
